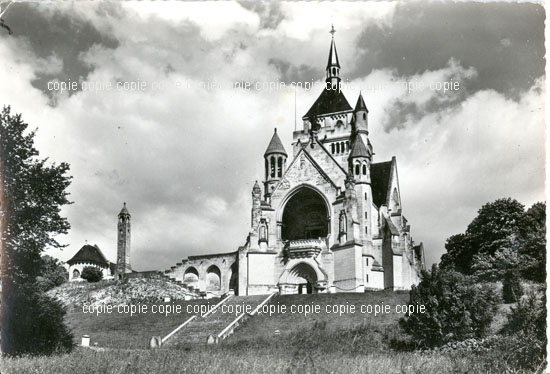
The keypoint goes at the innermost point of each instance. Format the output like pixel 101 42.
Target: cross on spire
pixel 332 31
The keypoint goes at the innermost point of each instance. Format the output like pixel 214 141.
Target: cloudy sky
pixel 184 151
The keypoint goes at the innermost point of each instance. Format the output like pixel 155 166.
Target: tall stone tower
pixel 123 244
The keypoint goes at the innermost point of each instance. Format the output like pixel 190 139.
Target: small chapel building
pixel 326 217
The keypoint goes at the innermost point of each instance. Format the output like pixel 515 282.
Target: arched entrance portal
pixel 304 277
pixel 234 278
pixel 305 216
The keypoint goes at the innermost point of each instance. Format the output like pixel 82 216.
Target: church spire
pixel 333 65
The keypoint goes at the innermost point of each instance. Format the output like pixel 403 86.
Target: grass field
pixel 317 343
pixel 224 360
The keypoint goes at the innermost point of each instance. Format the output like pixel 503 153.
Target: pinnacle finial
pixel 332 31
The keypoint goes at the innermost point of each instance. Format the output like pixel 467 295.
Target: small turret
pixel 359 161
pixel 360 116
pixel 275 162
pixel 256 204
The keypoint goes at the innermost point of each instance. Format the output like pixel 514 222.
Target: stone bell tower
pixel 123 243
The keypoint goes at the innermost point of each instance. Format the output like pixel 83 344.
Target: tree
pixel 497 224
pixel 511 286
pixel 52 274
pixel 532 252
pixel 456 308
pixel 33 190
pixel 91 274
pixel 491 242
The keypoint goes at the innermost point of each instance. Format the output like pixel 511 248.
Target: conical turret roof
pixel 256 187
pixel 275 145
pixel 124 211
pixel 360 104
pixel 359 149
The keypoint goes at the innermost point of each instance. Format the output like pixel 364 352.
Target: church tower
pixel 123 243
pixel 275 162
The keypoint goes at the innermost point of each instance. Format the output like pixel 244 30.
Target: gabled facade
pixel 328 219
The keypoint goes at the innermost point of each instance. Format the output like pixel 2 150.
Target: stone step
pixel 198 330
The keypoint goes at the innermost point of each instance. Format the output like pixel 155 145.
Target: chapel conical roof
pixel 360 104
pixel 358 149
pixel 275 145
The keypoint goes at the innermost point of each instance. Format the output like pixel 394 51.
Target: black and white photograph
pixel 272 187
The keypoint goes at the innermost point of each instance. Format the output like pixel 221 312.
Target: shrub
pixel 34 324
pixel 456 309
pixel 525 333
pixel 52 274
pixel 511 286
pixel 92 274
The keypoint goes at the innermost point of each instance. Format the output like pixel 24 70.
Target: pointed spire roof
pixel 358 149
pixel 360 104
pixel 333 55
pixel 124 211
pixel 275 145
pixel 256 187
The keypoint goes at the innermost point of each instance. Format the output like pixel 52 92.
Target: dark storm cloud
pixel 503 42
pixel 289 73
pixel 270 12
pixel 51 33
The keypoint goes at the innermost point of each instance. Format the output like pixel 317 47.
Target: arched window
pixel 266 169
pixel 365 196
pixel 365 116
pixel 333 71
pixel 213 278
pixel 263 233
pixel 366 230
pixel 280 167
pixel 272 167
pixel 357 169
pixel 347 145
pixel 364 169
pixel 76 274
pixel 337 147
pixel 190 276
pixel 343 147
pixel 339 123
pixel 366 215
pixel 332 148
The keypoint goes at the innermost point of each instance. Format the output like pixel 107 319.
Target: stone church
pixel 326 217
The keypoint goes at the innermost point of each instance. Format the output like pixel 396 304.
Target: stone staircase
pixel 201 328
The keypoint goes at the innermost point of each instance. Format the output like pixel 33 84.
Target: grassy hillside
pixel 277 327
pixel 281 343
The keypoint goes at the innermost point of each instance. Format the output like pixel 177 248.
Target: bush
pixel 525 333
pixel 456 309
pixel 91 274
pixel 33 324
pixel 52 274
pixel 511 286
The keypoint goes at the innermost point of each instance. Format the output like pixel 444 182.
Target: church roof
pixel 330 101
pixel 360 104
pixel 89 253
pixel 333 56
pixel 358 148
pixel 380 175
pixel 275 145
